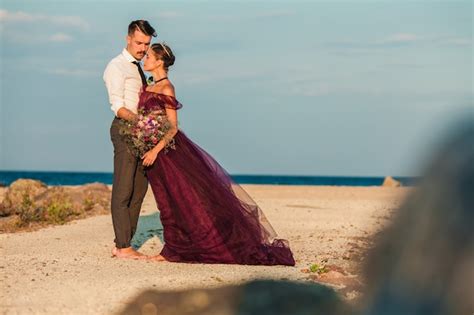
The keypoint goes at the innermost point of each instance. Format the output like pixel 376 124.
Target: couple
pixel 206 217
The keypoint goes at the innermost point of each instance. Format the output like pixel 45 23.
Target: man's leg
pixel 139 191
pixel 124 172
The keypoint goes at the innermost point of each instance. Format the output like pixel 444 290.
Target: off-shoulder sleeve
pixel 171 102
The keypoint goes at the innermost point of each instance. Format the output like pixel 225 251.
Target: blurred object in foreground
pixel 261 297
pixel 424 262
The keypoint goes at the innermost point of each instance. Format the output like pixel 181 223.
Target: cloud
pixel 230 17
pixel 59 20
pixel 310 89
pixel 26 38
pixel 349 47
pixel 272 14
pixel 74 72
pixel 408 38
pixel 457 41
pixel 169 15
pixel 197 78
pixel 60 37
pixel 401 38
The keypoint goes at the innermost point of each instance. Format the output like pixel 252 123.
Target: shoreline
pixel 81 178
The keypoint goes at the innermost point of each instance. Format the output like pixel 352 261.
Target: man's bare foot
pixel 157 258
pixel 127 253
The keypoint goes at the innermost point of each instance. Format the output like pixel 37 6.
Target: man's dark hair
pixel 142 26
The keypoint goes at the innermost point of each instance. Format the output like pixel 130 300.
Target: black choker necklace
pixel 161 80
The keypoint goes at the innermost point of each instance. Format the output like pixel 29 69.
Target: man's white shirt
pixel 123 82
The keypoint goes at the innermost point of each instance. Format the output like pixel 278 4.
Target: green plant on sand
pixel 319 269
pixel 27 211
pixel 58 211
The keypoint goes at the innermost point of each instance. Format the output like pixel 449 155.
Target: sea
pixel 80 178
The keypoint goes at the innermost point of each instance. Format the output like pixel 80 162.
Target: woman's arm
pixel 172 116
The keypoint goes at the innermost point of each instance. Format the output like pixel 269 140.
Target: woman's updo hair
pixel 163 52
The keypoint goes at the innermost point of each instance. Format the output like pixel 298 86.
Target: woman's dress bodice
pixel 152 101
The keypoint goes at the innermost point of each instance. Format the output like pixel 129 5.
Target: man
pixel 123 78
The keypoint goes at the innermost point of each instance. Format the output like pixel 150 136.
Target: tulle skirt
pixel 206 216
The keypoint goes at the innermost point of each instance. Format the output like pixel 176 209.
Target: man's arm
pixel 126 114
pixel 115 82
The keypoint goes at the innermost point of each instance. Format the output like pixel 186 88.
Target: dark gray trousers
pixel 128 191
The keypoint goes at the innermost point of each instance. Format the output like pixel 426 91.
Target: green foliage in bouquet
pixel 146 132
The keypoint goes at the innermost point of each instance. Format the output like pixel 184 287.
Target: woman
pixel 206 217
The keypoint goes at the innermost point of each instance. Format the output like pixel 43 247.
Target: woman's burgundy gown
pixel 206 217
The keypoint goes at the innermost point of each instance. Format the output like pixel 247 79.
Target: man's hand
pixel 126 114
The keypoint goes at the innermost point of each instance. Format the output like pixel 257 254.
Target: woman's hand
pixel 149 157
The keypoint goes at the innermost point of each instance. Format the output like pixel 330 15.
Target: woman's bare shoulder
pixel 168 89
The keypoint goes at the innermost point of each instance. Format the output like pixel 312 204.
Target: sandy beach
pixel 68 269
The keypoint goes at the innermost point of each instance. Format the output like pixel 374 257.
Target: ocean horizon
pixel 81 178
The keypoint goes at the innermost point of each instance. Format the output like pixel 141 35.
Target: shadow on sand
pixel 148 227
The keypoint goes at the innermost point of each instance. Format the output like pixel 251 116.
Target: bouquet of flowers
pixel 145 133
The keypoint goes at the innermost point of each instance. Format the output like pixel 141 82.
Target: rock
pixel 33 201
pixel 9 224
pixel 389 181
pixel 85 197
pixel 21 192
pixel 3 190
pixel 91 196
pixel 423 261
pixel 263 297
pixel 96 187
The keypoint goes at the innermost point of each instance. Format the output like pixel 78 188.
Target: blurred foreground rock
pixel 260 297
pixel 423 263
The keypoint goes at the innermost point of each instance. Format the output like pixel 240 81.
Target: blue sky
pixel 269 87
